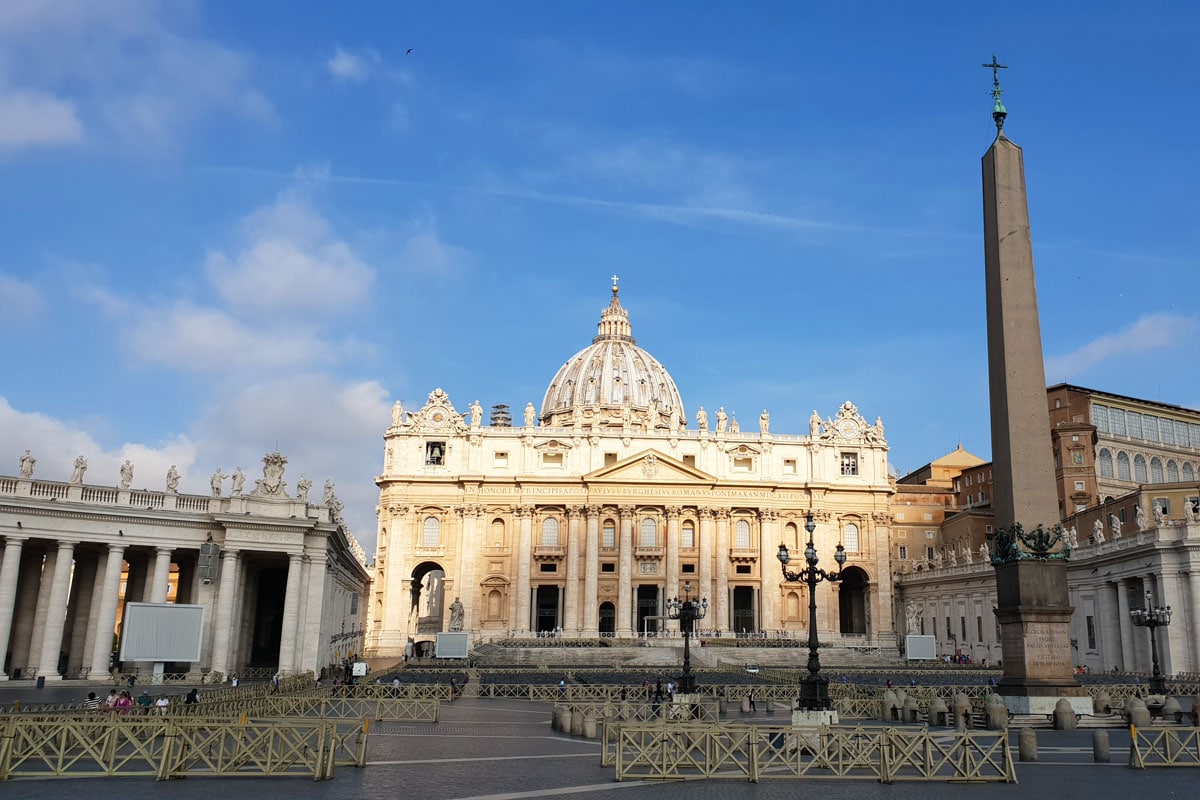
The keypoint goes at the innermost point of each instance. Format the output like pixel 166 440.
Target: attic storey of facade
pixel 591 512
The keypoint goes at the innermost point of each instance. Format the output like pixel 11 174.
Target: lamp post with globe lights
pixel 814 689
pixel 1153 617
pixel 687 611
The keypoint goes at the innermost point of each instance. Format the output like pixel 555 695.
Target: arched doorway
pixel 427 595
pixel 852 601
pixel 608 619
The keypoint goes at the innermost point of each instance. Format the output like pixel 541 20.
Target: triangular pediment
pixel 649 466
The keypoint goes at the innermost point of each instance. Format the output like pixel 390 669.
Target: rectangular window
pixel 1164 504
pixel 979 628
pixel 690 460
pixel 962 621
pixel 1150 428
pixel 949 630
pixel 687 569
pixel 548 567
pixel 1079 486
pixel 903 552
pixel 743 464
pixel 553 460
pixel 743 569
pixel 789 466
pixel 1166 429
pixel 610 459
pixel 435 454
pixel 1133 423
pixel 500 460
pixel 1091 633
pixel 1100 418
pixel 849 463
pixel 608 537
pixel 353 604
pixel 608 567
pixel 688 540
pixel 928 517
pixel 987 528
pixel 1116 419
pixel 930 534
pixel 929 553
pixel 899 515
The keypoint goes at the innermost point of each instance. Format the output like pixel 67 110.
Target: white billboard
pixel 161 632
pixel 453 645
pixel 920 648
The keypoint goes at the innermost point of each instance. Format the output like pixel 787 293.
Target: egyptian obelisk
pixel 1029 555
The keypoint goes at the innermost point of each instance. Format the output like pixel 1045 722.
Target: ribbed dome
pixel 613 383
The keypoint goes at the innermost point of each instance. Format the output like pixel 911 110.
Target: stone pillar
pixel 79 612
pixel 571 602
pixel 56 613
pixel 705 568
pixel 1128 653
pixel 591 574
pixel 624 623
pixel 106 616
pixel 722 622
pixel 1191 618
pixel 1173 639
pixel 467 589
pixel 160 576
pixel 524 565
pixel 768 541
pixel 38 636
pixel 673 513
pixel 223 621
pixel 97 598
pixel 10 570
pixel 28 589
pixel 291 613
pixel 308 653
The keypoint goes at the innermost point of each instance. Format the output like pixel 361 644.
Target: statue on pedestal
pixel 722 419
pixel 239 480
pixel 764 422
pixel 456 615
pixel 80 468
pixel 172 479
pixel 302 487
pixel 127 474
pixel 1114 524
pixel 702 419
pixel 215 482
pixel 27 464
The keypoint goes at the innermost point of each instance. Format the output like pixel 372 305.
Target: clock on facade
pixel 848 428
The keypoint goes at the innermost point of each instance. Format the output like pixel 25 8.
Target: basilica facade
pixel 585 516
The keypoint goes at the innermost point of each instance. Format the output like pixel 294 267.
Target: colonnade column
pixel 524 564
pixel 10 570
pixel 721 623
pixel 89 639
pixel 106 617
pixel 467 588
pixel 291 613
pixel 1128 657
pixel 160 575
pixel 1173 642
pixel 56 612
pixel 83 592
pixel 309 629
pixel 705 568
pixel 21 638
pixel 571 602
pixel 624 626
pixel 673 513
pixel 591 574
pixel 33 657
pixel 768 546
pixel 1109 632
pixel 1191 619
pixel 230 566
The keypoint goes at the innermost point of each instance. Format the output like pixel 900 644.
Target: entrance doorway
pixel 647 606
pixel 608 619
pixel 852 601
pixel 546 611
pixel 743 610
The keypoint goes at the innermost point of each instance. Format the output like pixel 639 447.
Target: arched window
pixel 1139 469
pixel 850 537
pixel 1188 473
pixel 1106 463
pixel 550 532
pixel 689 534
pixel 649 533
pixel 1156 470
pixel 791 536
pixel 1172 471
pixel 432 535
pixel 741 538
pixel 498 532
pixel 493 604
pixel 608 535
pixel 1123 472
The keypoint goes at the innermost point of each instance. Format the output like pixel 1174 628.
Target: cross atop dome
pixel 614 320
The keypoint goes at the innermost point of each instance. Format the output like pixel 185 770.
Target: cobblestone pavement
pixel 506 750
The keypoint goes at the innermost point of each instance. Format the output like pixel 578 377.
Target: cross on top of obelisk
pixel 998 110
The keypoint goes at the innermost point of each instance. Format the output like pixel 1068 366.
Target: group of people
pixel 122 703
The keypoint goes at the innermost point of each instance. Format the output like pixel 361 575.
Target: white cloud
pixel 33 117
pixel 55 444
pixel 130 70
pixel 354 66
pixel 423 253
pixel 292 265
pixel 21 302
pixel 1152 332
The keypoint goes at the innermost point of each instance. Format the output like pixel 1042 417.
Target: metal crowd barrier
pixel 37 746
pixel 676 751
pixel 1165 747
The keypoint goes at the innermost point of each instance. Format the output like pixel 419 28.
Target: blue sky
pixel 232 226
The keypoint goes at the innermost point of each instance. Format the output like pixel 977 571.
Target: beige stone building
pixel 280 579
pixel 592 511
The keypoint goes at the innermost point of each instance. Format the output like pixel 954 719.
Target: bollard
pixel 722 705
pixel 1136 712
pixel 962 711
pixel 589 725
pixel 1100 752
pixel 746 705
pixel 1171 710
pixel 1064 716
pixel 577 723
pixel 1027 745
pixel 997 713
pixel 770 706
pixel 1196 713
pixel 889 709
pixel 938 712
pixel 1102 703
pixel 911 709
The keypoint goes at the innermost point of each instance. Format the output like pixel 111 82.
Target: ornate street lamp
pixel 814 690
pixel 687 611
pixel 1153 617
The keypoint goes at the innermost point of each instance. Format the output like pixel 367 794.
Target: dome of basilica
pixel 613 383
